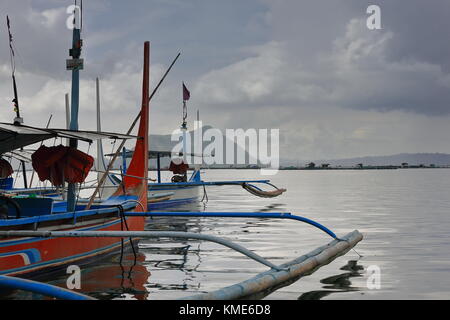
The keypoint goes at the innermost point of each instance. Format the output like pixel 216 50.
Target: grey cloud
pixel 328 56
pixel 310 68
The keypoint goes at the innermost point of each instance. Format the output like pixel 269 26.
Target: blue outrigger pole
pixel 262 215
pixel 41 288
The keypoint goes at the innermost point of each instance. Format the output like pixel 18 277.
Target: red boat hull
pixel 29 256
pixel 24 256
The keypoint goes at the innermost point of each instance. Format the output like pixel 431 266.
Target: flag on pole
pixel 186 93
pixel 10 35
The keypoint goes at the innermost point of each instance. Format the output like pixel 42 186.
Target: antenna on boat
pixel 18 119
pixel 67 97
pixel 75 65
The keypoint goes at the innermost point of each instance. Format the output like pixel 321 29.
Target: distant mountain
pixel 439 159
pixel 165 143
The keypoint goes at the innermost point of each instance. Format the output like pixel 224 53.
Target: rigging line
pixel 205 195
pixel 42 142
pixel 359 255
pixel 123 220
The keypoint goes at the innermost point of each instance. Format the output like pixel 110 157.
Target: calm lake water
pixel 404 216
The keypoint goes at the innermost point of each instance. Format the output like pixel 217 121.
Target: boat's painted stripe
pixel 29 256
pixel 206 183
pixel 31 240
pixel 60 216
pixel 170 188
pixel 63 261
pixel 167 203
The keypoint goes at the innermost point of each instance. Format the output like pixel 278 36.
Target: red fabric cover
pixel 181 168
pixel 5 169
pixel 59 164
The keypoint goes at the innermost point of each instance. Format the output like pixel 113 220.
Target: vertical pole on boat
pixel 158 164
pixel 18 120
pixel 99 162
pixel 97 93
pixel 64 193
pixel 183 130
pixel 124 160
pixel 186 97
pixel 67 115
pixel 138 185
pixel 143 128
pixel 75 64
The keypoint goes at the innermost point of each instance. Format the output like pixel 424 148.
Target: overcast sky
pixel 312 69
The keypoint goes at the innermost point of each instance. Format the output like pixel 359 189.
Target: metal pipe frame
pixel 261 215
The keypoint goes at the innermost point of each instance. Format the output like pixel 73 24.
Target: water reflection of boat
pixel 110 279
pixel 338 283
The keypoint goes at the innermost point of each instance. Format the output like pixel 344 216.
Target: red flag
pixel 186 93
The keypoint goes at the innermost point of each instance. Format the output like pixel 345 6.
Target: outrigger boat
pixel 28 256
pixel 158 196
pixel 180 190
pixel 38 239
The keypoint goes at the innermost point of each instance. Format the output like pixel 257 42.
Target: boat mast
pixel 186 97
pixel 75 65
pixel 18 120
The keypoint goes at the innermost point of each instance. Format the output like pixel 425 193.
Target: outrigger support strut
pixel 262 215
pixel 141 234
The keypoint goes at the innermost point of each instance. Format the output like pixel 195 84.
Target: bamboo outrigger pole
pixel 264 283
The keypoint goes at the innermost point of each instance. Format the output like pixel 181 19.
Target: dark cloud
pixel 310 68
pixel 327 55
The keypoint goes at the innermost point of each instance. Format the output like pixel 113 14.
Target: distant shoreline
pixel 370 168
pixel 388 167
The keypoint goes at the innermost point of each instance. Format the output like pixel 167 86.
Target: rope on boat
pixel 263 194
pixel 123 221
pixel 205 195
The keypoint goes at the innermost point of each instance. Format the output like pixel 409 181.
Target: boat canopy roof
pixel 13 136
